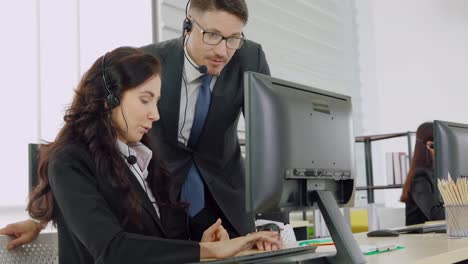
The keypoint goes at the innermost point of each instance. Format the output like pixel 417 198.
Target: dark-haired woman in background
pixel 101 180
pixel 420 189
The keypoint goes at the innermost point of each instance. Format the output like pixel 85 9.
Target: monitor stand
pixel 347 249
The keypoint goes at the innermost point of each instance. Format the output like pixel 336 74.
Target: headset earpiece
pixel 187 26
pixel 111 99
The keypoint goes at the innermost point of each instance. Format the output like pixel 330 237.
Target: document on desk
pixel 365 249
pixel 371 250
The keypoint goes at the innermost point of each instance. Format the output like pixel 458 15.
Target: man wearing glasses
pixel 210 168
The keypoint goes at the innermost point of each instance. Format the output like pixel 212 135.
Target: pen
pixel 321 244
pixel 316 241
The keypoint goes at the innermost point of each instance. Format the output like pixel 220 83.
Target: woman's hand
pixel 266 246
pixel 24 231
pixel 228 248
pixel 215 232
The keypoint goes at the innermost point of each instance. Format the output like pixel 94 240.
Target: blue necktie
pixel 193 190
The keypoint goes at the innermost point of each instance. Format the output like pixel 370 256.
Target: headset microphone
pixel 132 159
pixel 202 69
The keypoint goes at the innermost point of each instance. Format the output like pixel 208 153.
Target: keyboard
pixel 423 228
pixel 266 255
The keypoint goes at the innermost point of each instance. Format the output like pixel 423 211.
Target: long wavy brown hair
pixel 88 122
pixel 421 157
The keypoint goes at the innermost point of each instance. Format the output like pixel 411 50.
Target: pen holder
pixel 455 217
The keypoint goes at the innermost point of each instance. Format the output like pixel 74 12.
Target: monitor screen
pixel 298 139
pixel 451 149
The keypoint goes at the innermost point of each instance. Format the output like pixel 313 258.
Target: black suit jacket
pixel 90 218
pixel 217 155
pixel 424 205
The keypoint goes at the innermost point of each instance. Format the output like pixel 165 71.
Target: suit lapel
pixel 170 90
pixel 145 201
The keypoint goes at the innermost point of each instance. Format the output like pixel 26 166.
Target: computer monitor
pixel 299 153
pixel 298 139
pixel 450 149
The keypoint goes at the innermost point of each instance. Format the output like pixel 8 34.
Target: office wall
pixel 45 52
pixel 413 61
pixel 19 103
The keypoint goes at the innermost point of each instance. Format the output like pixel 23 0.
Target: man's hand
pixel 215 232
pixel 24 231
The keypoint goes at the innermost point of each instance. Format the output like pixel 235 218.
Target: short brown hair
pixel 235 7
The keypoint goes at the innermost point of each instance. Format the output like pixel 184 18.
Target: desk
pixel 431 248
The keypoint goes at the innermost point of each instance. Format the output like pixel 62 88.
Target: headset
pixel 113 101
pixel 187 28
pixel 187 24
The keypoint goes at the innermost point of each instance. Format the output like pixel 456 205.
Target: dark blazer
pixel 90 218
pixel 217 155
pixel 424 205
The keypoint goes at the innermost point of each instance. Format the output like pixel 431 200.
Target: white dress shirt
pixel 140 169
pixel 190 87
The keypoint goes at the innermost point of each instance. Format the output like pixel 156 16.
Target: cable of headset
pixel 187 27
pixel 132 159
pixel 141 178
pixel 185 110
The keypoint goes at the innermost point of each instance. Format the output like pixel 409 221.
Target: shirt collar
pixel 191 74
pixel 139 150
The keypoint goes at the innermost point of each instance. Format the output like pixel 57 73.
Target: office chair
pixel 33 161
pixel 43 250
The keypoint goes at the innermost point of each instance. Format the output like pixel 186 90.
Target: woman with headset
pixel 103 184
pixel 420 189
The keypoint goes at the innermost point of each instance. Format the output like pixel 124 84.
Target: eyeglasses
pixel 212 38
